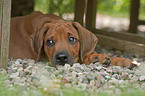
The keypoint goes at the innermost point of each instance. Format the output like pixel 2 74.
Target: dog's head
pixel 63 42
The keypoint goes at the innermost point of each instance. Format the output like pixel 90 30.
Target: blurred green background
pixel 54 6
pixel 117 8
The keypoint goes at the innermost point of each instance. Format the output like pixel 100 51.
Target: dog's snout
pixel 61 58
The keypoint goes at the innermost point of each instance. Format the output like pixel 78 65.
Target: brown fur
pixel 29 35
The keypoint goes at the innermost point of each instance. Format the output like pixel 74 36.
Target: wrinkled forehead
pixel 62 27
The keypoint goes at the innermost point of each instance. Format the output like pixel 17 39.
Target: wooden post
pixel 91 14
pixel 134 12
pixel 0 22
pixel 5 15
pixel 79 11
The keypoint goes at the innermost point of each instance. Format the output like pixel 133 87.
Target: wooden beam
pixel 134 12
pixel 123 36
pixel 0 21
pixel 122 45
pixel 91 14
pixel 5 32
pixel 141 22
pixel 79 11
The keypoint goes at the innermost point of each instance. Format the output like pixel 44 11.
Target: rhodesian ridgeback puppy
pixel 49 37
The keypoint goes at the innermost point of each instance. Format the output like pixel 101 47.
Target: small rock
pixel 91 67
pixel 100 79
pixel 68 85
pixel 74 74
pixel 125 76
pixel 134 78
pixel 87 69
pixel 79 74
pixel 20 61
pixel 92 83
pixel 97 83
pixel 3 71
pixel 142 78
pixel 25 65
pixel 66 66
pixel 138 72
pixel 121 82
pixel 111 86
pixel 109 70
pixel 99 67
pixel 20 69
pixel 143 86
pixel 30 61
pixel 90 76
pixel 17 62
pixel 113 82
pixel 63 80
pixel 83 86
pixel 116 76
pixel 14 75
pixel 85 80
pixel 108 77
pixel 76 65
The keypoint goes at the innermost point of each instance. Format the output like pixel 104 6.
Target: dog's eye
pixel 50 43
pixel 72 40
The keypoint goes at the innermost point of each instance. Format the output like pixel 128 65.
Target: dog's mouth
pixel 62 58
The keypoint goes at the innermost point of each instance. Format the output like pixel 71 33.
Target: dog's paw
pixel 102 59
pixel 94 58
pixel 133 65
pixel 124 62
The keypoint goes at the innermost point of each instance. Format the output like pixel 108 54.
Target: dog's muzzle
pixel 61 58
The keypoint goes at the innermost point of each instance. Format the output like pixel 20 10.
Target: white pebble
pixel 17 62
pixel 142 78
pixel 14 75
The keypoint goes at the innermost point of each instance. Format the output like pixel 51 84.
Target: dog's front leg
pixel 106 61
pixel 95 57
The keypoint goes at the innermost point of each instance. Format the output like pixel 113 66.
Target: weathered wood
pixel 5 32
pixel 1 1
pixel 141 22
pixel 134 12
pixel 91 14
pixel 0 21
pixel 122 45
pixel 120 35
pixel 79 11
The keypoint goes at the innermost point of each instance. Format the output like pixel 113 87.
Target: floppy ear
pixel 38 40
pixel 88 40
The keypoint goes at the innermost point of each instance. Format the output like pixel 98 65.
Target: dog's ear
pixel 88 40
pixel 38 40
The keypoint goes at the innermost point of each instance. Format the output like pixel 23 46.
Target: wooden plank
pixel 79 11
pixel 1 1
pixel 122 45
pixel 0 21
pixel 91 14
pixel 134 12
pixel 141 22
pixel 6 14
pixel 120 35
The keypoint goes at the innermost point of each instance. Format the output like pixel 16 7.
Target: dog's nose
pixel 61 59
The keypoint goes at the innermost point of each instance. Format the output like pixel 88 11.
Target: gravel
pixel 92 78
